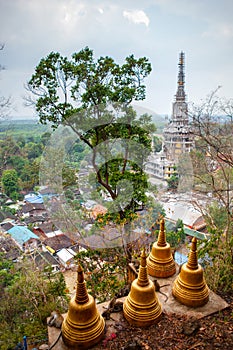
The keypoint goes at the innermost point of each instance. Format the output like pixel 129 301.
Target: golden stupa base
pixel 190 287
pixel 82 335
pixel 160 262
pixel 142 308
pixel 84 326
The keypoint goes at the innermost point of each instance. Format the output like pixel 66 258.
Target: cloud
pixel 219 30
pixel 137 16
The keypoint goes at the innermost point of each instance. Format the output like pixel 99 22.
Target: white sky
pixel 157 29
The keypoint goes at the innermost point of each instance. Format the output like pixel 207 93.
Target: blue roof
pixel 34 198
pixel 180 258
pixel 21 234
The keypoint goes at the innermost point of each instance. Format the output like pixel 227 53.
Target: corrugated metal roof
pixel 175 211
pixel 65 255
pixel 33 198
pixel 21 234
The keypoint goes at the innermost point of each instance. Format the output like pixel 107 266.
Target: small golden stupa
pixel 160 261
pixel 189 287
pixel 83 326
pixel 142 307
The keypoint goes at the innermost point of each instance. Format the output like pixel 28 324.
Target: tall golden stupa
pixel 142 307
pixel 189 287
pixel 160 261
pixel 84 326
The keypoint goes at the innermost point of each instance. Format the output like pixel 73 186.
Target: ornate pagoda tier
pixel 83 326
pixel 178 137
pixel 160 262
pixel 142 307
pixel 190 287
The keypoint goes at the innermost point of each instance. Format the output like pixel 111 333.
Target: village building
pixel 26 240
pixel 33 198
pixel 9 247
pixel 44 259
pixel 56 243
pixel 33 209
pixel 66 257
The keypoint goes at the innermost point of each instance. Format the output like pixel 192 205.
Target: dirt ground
pixel 176 332
pixel 70 279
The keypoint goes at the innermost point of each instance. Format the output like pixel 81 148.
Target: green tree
pixel 27 298
pixel 173 181
pixel 69 177
pixel 10 183
pixel 105 272
pixel 77 93
pixel 29 176
pixel 8 149
pixel 33 150
pixel 157 143
pixel 18 163
pixel 45 137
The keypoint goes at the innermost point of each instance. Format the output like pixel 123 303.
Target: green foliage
pixel 33 150
pixel 105 271
pixel 173 181
pixel 77 93
pixel 217 256
pixel 27 299
pixel 157 143
pixel 176 236
pixel 7 272
pixel 175 239
pixel 10 183
pixel 69 177
pixel 29 176
pixel 217 216
pixel 82 80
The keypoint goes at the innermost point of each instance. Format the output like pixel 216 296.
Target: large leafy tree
pixel 78 93
pixel 10 183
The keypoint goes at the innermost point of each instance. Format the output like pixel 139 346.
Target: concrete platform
pixel 215 304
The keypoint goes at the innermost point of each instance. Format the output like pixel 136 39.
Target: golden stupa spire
pixel 189 287
pixel 81 291
pixel 162 235
pixel 192 263
pixel 160 261
pixel 143 279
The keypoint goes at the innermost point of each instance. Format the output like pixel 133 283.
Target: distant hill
pixel 22 127
pixel 160 120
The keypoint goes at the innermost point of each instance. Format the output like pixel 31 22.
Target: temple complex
pixel 178 138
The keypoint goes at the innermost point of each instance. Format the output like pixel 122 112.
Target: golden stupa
pixel 142 307
pixel 160 262
pixel 189 287
pixel 83 326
